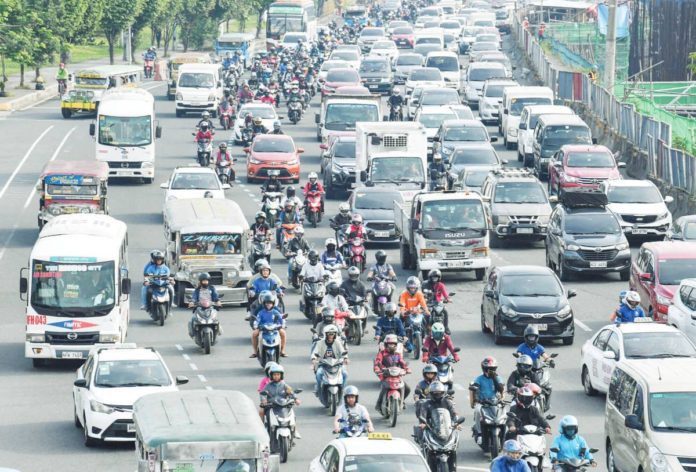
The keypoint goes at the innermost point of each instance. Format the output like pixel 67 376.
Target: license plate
pixel 130 427
pixel 542 327
pixel 639 231
pixel 71 355
pixel 381 234
pixel 462 263
pixel 525 230
pixel 372 86
pixel 595 264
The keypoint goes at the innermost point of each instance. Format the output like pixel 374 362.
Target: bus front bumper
pixel 34 350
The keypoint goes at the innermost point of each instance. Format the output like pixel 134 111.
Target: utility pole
pixel 610 65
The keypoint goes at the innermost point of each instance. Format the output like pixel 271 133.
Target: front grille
pixel 523 220
pixel 553 327
pixel 380 226
pixel 215 278
pixel 64 338
pixel 118 429
pixel 284 173
pixel 430 140
pixel 593 255
pixel 395 140
pixel 587 181
pixel 639 218
pixel 456 254
pixel 125 165
pixel 688 463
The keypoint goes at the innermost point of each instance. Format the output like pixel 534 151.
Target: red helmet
pixel 525 396
pixel 489 363
pixel 534 388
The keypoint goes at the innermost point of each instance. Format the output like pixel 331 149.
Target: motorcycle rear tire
pixel 161 311
pixel 442 467
pixel 332 403
pixel 313 218
pixel 357 334
pixel 394 407
pixel 207 340
pixel 283 446
pixel 493 443
pixel 417 347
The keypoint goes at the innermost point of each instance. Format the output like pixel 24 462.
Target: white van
pixel 198 89
pixel 514 100
pixel 528 120
pixel 448 64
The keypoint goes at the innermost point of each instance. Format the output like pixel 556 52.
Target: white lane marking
pixel 208 387
pixel 186 357
pixel 7 241
pixel 462 467
pixel 582 325
pixel 53 158
pixel 202 378
pixel 178 347
pixel 21 163
pixel 193 366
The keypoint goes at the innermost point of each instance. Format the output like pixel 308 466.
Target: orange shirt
pixel 411 301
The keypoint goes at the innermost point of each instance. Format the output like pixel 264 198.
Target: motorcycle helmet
pixel 267 297
pixel 204 127
pixel 429 369
pixel 313 257
pixel 381 257
pixel 390 309
pixel 531 335
pixel 330 244
pixel 437 158
pixel 327 315
pixel 223 146
pixel 205 115
pixel 513 449
pixel 353 273
pixel 330 330
pixel 276 125
pixel 489 364
pixel 276 369
pixel 333 289
pixel 357 220
pixel 313 177
pixel 632 299
pixel 396 92
pixel 344 209
pixel 203 276
pixel 298 231
pixel 156 254
pixel 265 268
pixel 434 276
pixel 568 426
pixel 268 366
pixel 437 331
pixel 390 342
pixel 437 391
pixel 524 397
pixel 351 390
pixel 412 285
pixel 524 364
pixel 260 264
pixel 258 121
pixel 290 192
pixel 259 216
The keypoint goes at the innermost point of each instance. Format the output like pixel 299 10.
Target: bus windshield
pixel 279 25
pixel 125 130
pixel 78 288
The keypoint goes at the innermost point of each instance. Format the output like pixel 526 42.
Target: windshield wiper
pixel 677 428
pixel 669 355
pixel 140 384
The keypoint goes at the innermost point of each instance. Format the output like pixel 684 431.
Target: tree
pixel 165 21
pixel 261 8
pixel 194 19
pixel 150 10
pixel 691 66
pixel 16 41
pixel 118 16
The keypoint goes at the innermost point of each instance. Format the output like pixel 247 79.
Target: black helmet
pixel 333 289
pixel 156 254
pixel 203 276
pixel 381 257
pixel 268 297
pixel 313 257
pixel 435 275
pixel 437 390
pixel 524 364
pixel 531 335
pixel 429 369
pixel 328 314
pixel 290 192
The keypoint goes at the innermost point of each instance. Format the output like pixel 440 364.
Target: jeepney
pixel 176 61
pixel 201 431
pixel 207 235
pixel 90 84
pixel 233 42
pixel 67 187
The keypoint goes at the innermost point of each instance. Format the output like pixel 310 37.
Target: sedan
pixel 332 64
pixel 290 40
pixel 405 63
pixel 193 182
pixel 340 78
pixel 682 312
pixel 385 49
pixel 424 77
pixel 515 297
pixel 378 451
pixel 350 56
pixel 473 155
pixel 273 152
pixel 404 37
pixel 480 48
pixel 394 24
pixel 266 112
pixel 376 206
pixel 454 133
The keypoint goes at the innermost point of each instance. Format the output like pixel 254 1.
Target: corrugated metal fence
pixel 673 166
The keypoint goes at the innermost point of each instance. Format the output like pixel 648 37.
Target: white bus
pixel 77 289
pixel 126 131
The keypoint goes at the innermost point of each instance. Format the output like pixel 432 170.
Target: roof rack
pixel 584 198
pixel 513 172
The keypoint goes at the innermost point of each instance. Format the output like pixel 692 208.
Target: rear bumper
pixel 455 265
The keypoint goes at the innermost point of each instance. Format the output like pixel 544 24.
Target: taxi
pixel 642 339
pixel 377 451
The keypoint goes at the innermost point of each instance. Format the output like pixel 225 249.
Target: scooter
pixel 260 248
pixel 205 150
pixel 580 464
pixel 313 292
pixel 287 232
pixel 206 326
pixel 247 136
pixel 445 372
pixel 280 423
pixel 225 115
pixel 356 253
pixel 352 427
pixel 334 271
pixel 313 208
pixel 224 171
pixel 440 441
pixel 148 68
pixel 160 301
pixel 331 386
pixel 271 206
pixel 295 111
pixel 357 321
pixel 414 332
pixel 492 425
pixel 269 344
pixel 542 377
pixel 533 443
pixel 438 312
pixel 381 294
pixel 392 402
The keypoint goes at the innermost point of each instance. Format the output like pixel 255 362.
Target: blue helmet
pixel 510 447
pixel 568 426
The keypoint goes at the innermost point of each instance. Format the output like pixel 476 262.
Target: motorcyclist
pixel 328 317
pixel 224 156
pixel 295 94
pixel 531 346
pixel 204 132
pixel 205 118
pixel 487 388
pixel 228 61
pixel 287 216
pixel 297 244
pixel 388 357
pixel 259 227
pixel 202 294
pixel 381 267
pixel 271 185
pixel 258 127
pixel 437 343
pixel 356 228
pixel 277 388
pixel 396 101
pixel 343 217
pixel 352 287
pixel 389 323
pixel 569 442
pixel 412 299
pixel 436 168
pixel 290 196
pixel 265 283
pixel 436 400
pixel 629 310
pixel 511 459
pixel 313 268
pixel 331 256
pixel 267 375
pixel 156 267
pixel 276 128
pixel 423 386
pixel 314 186
pixel 268 314
pixel 351 407
pixel 330 346
pixel 438 291
pixel 521 375
pixel 334 300
pixel 267 98
pixel 524 413
pixel 226 106
pixel 62 75
pixel 245 94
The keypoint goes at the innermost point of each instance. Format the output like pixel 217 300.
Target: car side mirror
pixel 158 132
pixel 505 111
pixel 92 129
pixel 633 422
pixel 181 380
pixel 669 199
pixel 300 150
pixel 594 140
pixel 556 232
pixel 324 146
pixel 557 164
pixel 646 277
pixel 226 186
pixel 489 293
pixel 23 285
pixel 571 293
pixel 317 118
pixel 610 355
pixel 494 139
pixel 80 383
pixel 363 176
pixel 621 165
pixel 504 161
pixel 164 185
pixel 553 199
pixel 126 286
pixel 523 125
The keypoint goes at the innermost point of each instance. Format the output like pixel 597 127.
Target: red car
pixel 340 77
pixel 582 166
pixel 657 272
pixel 273 152
pixel 404 37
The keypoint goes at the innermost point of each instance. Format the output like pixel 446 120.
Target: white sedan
pixel 266 112
pixel 642 340
pixel 386 48
pixel 424 77
pixel 193 182
pixel 108 384
pixel 333 64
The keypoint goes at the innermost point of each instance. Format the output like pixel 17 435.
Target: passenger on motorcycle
pixel 277 388
pixel 511 459
pixel 314 186
pixel 150 54
pixel 329 347
pixel 286 217
pixel 291 197
pixel 331 256
pixel 205 118
pixel 276 128
pixel 227 62
pixel 437 343
pixel 524 413
pixel 258 127
pixel 343 217
pixel 489 386
pixel 351 407
pixel 268 314
pixel 422 389
pixel 439 292
pixel 386 358
pixel 629 310
pixel 412 299
pixel 328 317
pixel 266 97
pixel 521 375
pixel 356 229
pixel 267 375
pixel 389 323
pixel 267 282
pixel 259 227
pixel 436 399
pixel 531 346
pixel 203 294
pixel 334 300
pixel 245 94
pixel 156 267
pixel 569 442
pixel 396 101
pixel 313 268
pixel 435 169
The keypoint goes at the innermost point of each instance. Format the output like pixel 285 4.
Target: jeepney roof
pixel 108 70
pixel 191 57
pixel 236 37
pixel 197 416
pixel 93 168
pixel 201 214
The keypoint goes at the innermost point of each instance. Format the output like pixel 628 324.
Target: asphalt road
pixel 36 409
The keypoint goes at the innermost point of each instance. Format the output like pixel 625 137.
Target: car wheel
pixel 509 145
pixel 562 273
pixel 520 157
pixel 611 466
pixel 480 274
pixel 549 264
pixel 494 240
pixel 76 419
pixel 587 382
pixel 484 328
pixel 568 341
pixel 89 441
pixel 497 338
pixel 624 275
pixel 179 114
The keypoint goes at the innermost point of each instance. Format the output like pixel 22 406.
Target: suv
pixel 584 236
pixel 640 206
pixel 657 272
pixel 476 75
pixel 491 96
pixel 517 203
pixel 551 133
pixel 682 312
pixel 376 74
pixel 452 133
pixel 525 129
pixel 339 164
pixel 581 166
pixel 649 422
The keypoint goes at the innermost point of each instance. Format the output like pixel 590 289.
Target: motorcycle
pixel 247 136
pixel 533 443
pixel 260 248
pixel 271 206
pixel 206 326
pixel 225 116
pixel 356 253
pixel 396 113
pixel 381 294
pixel 287 232
pixel 253 306
pixel 313 208
pixel 280 424
pixel 224 171
pixel 334 271
pixel 313 292
pixel 356 320
pixel 440 441
pixel 298 260
pixel 148 68
pixel 295 111
pixel 392 402
pixel 205 150
pixel 331 385
pixel 580 464
pixel 414 332
pixel 541 376
pixel 445 373
pixel 160 301
pixel 269 344
pixel 438 181
pixel 352 427
pixel 492 423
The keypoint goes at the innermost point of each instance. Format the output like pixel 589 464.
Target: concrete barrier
pixel 28 99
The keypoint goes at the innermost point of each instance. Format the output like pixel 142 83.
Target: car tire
pixel 562 273
pixel 495 241
pixel 587 382
pixel 549 264
pixel 405 257
pixel 568 341
pixel 520 157
pixel 76 419
pixel 611 467
pixel 497 338
pixel 479 273
pixel 625 275
pixel 509 146
pixel 179 114
pixel 89 441
pixel 37 363
pixel 484 328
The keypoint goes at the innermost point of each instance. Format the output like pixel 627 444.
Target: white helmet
pixel 299 230
pixel 330 241
pixel 344 208
pixel 632 298
pixel 313 175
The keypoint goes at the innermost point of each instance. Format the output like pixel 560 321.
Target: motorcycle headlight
pixel 109 338
pixel 507 311
pixel 35 338
pixel 564 312
pixel 100 407
pixel 658 461
pixel 622 246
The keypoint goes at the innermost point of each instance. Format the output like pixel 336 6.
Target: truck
pixel 445 230
pixel 392 154
pixel 339 113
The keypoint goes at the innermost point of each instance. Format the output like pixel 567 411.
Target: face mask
pixel 204 284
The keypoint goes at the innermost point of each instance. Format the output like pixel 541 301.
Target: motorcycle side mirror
pixel 555 449
pixel 457 349
pixel 181 380
pixel 511 414
pixel 401 305
pixel 473 388
pixel 285 315
pixel 247 149
pixel 375 328
pixel 554 355
pixel 193 134
pixel 451 294
pixel 23 285
pixel 80 383
pixel 298 390
pixel 550 417
pixel 312 330
pixel 594 450
pixel 459 420
pixel 515 354
pixel 571 293
pixel 126 286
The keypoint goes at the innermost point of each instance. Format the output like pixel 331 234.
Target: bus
pixel 290 17
pixel 76 287
pixel 126 131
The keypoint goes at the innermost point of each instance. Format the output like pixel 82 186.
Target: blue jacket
pixel 569 448
pixel 213 294
pixel 535 353
pixel 153 269
pixel 387 326
pixel 336 258
pixel 261 284
pixel 227 62
pixel 283 218
pixel 265 317
pixel 488 387
pixel 625 314
pixel 150 56
pixel 503 464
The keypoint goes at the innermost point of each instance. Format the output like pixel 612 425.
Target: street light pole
pixel 610 64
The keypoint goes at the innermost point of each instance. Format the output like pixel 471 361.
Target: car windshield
pixel 495 91
pixel 482 156
pixel 82 288
pixel 519 192
pixel 440 97
pixel 530 285
pixel 477 74
pixel 397 169
pixel 131 373
pixel 466 133
pixel 592 223
pixel 345 55
pixel 265 113
pixel 371 67
pixel 294 38
pixel 196 80
pixel 376 200
pixel 434 120
pixel 425 74
pixel 343 75
pixel 450 25
pixel 383 45
pixel 444 63
pixel 125 131
pixel 673 271
pixel 475 178
pixel 354 13
pixel 453 215
pixel 689 230
pixel 482 38
pixel 556 136
pixel 372 32
pixel 273 145
pixel 517 104
pixel 211 243
pixel 343 116
pixel 403 30
pixel 641 194
pixel 463 112
pixel 344 149
pixel 333 64
pixel 590 159
pixel 424 49
pixel 409 60
pixel 66 188
pixel 195 181
pixel 657 345
pixel 484 46
pixel 673 411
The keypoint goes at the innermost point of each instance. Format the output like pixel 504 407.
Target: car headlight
pixel 512 132
pixel 564 312
pixel 543 219
pixel 663 300
pixel 570 178
pixel 211 97
pixel 658 461
pixel 385 80
pixel 663 216
pixel 503 219
pixel 232 274
pixel 54 210
pixel 35 338
pixel 147 165
pixel 572 247
pixel 622 246
pixel 507 311
pixel 109 338
pixel 194 275
pixel 179 97
pixel 293 162
pixel 253 160
pixel 100 407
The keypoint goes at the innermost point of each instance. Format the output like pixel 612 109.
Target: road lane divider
pixel 583 326
pixel 21 163
pixel 193 366
pixel 53 158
